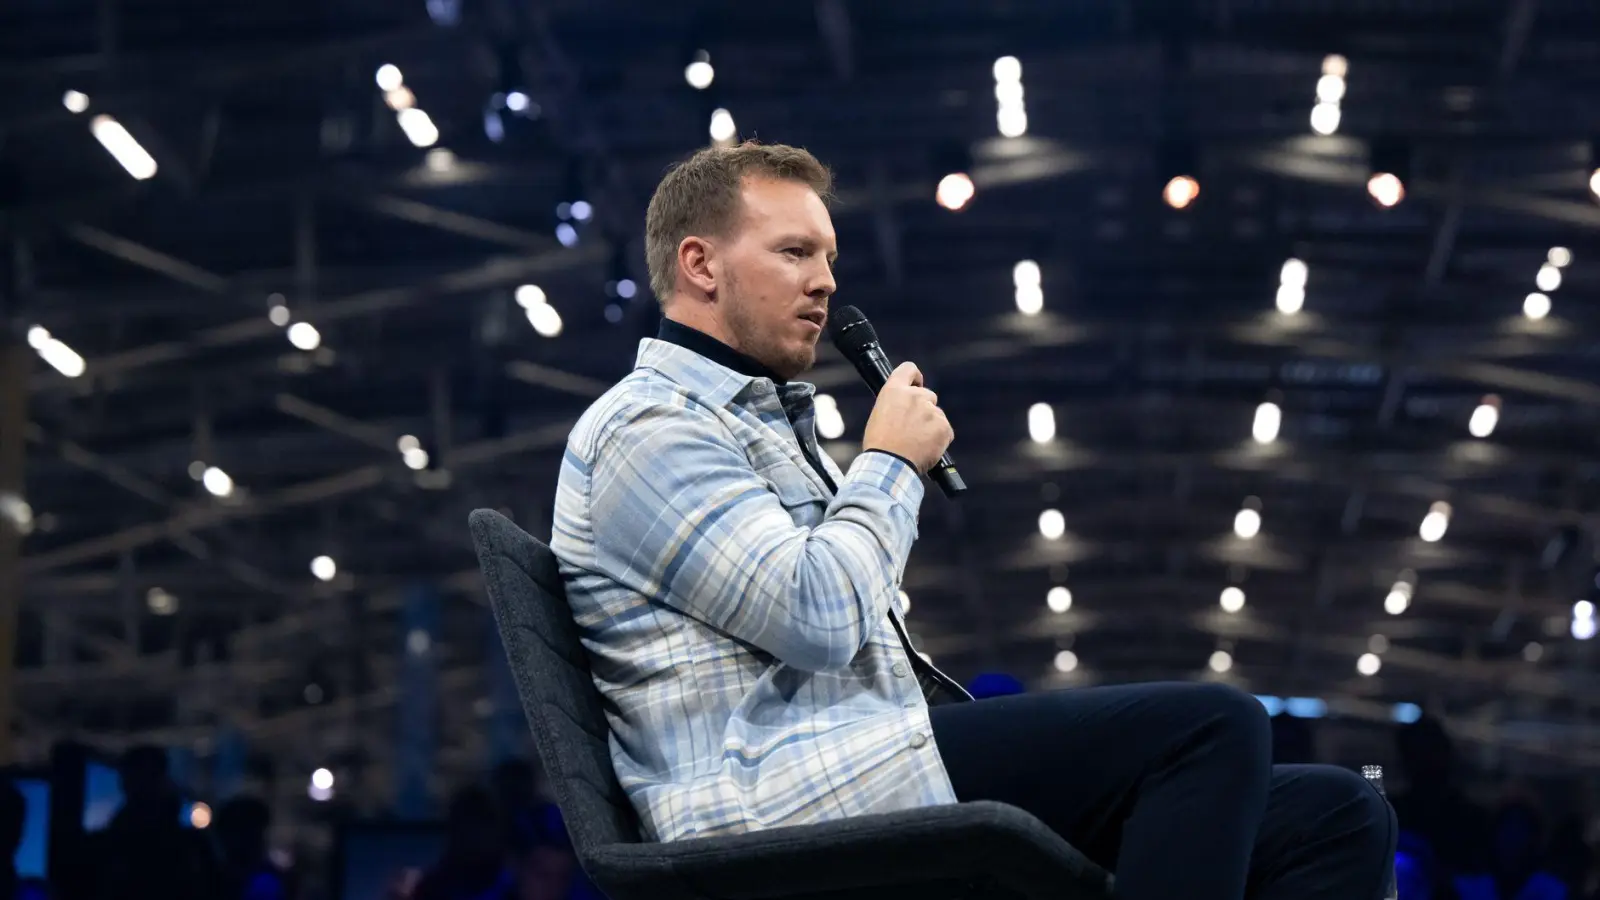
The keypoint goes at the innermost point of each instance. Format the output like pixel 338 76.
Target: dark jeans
pixel 1171 787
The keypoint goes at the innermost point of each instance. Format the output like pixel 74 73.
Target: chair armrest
pixel 977 842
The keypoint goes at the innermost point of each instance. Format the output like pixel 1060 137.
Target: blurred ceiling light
pixel 123 148
pixel 1435 523
pixel 1052 524
pixel 544 319
pixel 1548 279
pixel 1330 88
pixel 1594 184
pixel 75 101
pixel 160 602
pixel 1221 661
pixel 1269 418
pixel 217 482
pixel 1334 64
pixel 1011 115
pixel 304 336
pixel 415 458
pixel 1378 644
pixel 389 77
pixel 1536 306
pixel 55 352
pixel 1058 599
pixel 1583 629
pixel 1027 279
pixel 1247 523
pixel 530 295
pixel 1399 597
pixel 1041 423
pixel 1386 188
pixel 278 314
pixel 830 422
pixel 1560 257
pixel 1066 661
pixel 440 160
pixel 1181 190
pixel 699 73
pixel 1369 664
pixel 955 191
pixel 1485 417
pixel 1583 609
pixel 419 129
pixel 400 98
pixel 1231 600
pixel 722 128
pixel 1292 280
pixel 324 568
pixel 1325 118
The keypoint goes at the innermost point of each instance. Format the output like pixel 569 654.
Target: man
pixel 737 594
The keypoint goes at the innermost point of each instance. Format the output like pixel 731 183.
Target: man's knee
pixel 1352 806
pixel 1234 718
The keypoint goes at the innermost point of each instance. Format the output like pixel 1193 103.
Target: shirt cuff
pixel 890 473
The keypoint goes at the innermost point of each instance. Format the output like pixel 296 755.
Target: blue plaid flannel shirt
pixel 735 610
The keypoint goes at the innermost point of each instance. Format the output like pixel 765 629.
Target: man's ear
pixel 698 264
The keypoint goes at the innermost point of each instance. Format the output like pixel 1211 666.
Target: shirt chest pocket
pixel 805 503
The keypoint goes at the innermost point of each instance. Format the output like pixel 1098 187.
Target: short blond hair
pixel 700 195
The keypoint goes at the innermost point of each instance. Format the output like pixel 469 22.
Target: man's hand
pixel 907 420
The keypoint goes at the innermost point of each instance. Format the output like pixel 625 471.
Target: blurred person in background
pixel 1432 806
pixel 13 816
pixel 145 854
pixel 1516 870
pixel 474 863
pixel 248 872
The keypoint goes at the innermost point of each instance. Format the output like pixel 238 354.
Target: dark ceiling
pixel 285 178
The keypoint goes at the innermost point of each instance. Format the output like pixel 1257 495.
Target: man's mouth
pixel 816 316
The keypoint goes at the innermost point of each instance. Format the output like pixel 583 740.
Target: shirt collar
pixel 714 350
pixel 712 369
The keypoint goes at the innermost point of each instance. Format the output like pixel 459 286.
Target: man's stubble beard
pixel 753 341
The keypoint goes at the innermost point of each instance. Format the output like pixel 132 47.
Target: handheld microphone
pixel 858 341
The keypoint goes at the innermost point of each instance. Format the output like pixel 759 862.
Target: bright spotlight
pixel 304 336
pixel 1485 417
pixel 1387 189
pixel 1247 523
pixel 1232 599
pixel 1330 88
pixel 1334 64
pixel 955 191
pixel 389 77
pixel 1269 417
pixel 699 74
pixel 545 320
pixel 1181 191
pixel 324 568
pixel 1294 272
pixel 1548 279
pixel 216 482
pixel 75 101
pixel 1560 257
pixel 1221 661
pixel 530 295
pixel 419 128
pixel 1291 299
pixel 1007 68
pixel 1583 629
pixel 1594 184
pixel 1536 306
pixel 1325 118
pixel 1052 524
pixel 1583 609
pixel 1066 661
pixel 1435 522
pixel 723 128
pixel 1058 599
pixel 1369 664
pixel 122 146
pixel 1041 423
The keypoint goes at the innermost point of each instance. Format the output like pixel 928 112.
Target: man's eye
pixel 795 251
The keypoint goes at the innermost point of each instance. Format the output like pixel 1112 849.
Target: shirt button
pixel 918 741
pixel 899 670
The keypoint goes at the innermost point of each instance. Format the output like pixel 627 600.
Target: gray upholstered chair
pixel 966 850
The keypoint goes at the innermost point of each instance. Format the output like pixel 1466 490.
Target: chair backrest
pixel 551 669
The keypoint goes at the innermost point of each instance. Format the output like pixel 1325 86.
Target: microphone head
pixel 850 330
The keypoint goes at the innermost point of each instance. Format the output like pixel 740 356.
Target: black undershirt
pixel 704 344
